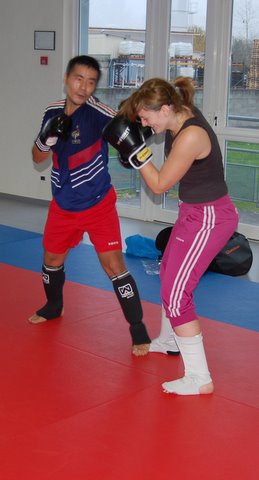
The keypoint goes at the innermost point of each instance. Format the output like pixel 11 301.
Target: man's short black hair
pixel 83 60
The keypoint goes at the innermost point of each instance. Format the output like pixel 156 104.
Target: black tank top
pixel 204 182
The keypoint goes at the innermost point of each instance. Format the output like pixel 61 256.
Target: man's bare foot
pixel 38 319
pixel 140 350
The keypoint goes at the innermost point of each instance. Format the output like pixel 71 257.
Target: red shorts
pixel 65 230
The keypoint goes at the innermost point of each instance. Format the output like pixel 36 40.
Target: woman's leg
pixel 165 342
pixel 196 379
pixel 53 278
pixel 201 231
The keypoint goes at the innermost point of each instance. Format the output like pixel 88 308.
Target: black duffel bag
pixel 234 259
pixel 162 239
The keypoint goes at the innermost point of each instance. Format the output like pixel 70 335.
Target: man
pixel 83 196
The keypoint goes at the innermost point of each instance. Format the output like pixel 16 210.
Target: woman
pixel 207 217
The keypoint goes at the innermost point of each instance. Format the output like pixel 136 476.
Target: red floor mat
pixel 75 404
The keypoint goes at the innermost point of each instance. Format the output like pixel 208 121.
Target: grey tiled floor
pixel 28 214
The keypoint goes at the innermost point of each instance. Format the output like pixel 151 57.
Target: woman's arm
pixel 191 144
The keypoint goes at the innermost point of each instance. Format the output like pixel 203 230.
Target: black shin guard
pixel 53 281
pixel 127 293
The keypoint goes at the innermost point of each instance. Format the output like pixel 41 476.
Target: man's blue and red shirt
pixel 79 175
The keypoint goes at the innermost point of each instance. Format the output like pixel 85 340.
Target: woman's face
pixel 157 120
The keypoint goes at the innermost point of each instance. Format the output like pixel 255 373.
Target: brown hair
pixel 157 92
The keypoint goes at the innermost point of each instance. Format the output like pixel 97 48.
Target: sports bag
pixel 162 239
pixel 235 258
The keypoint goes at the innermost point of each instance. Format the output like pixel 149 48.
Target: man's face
pixel 80 85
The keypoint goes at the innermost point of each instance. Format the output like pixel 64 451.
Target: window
pixel 243 101
pixel 217 44
pixel 186 58
pixel 116 38
pixel 242 157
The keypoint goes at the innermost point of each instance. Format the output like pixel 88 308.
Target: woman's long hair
pixel 155 93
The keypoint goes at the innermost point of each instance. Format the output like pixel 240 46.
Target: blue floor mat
pixel 220 297
pixel 10 234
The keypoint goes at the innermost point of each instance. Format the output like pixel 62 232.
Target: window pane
pixel 242 176
pixel 187 57
pixel 242 158
pixel 116 38
pixel 243 99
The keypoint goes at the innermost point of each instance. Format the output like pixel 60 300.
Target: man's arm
pixel 38 156
pixel 57 127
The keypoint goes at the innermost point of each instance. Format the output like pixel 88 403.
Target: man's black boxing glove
pixel 56 127
pixel 129 140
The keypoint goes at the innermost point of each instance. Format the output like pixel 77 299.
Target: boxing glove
pixel 124 162
pixel 56 127
pixel 146 132
pixel 129 140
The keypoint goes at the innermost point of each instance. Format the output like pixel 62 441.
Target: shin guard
pixel 53 281
pixel 127 293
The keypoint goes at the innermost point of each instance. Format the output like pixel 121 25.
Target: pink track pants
pixel 198 235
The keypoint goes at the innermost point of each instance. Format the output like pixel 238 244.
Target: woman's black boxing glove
pixel 129 140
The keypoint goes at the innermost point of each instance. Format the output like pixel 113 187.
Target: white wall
pixel 27 87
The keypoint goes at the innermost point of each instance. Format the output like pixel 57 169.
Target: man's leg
pixel 127 293
pixel 53 277
pixel 103 228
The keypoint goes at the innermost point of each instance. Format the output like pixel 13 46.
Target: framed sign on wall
pixel 44 40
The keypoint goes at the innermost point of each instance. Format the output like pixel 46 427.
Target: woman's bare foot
pixel 188 386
